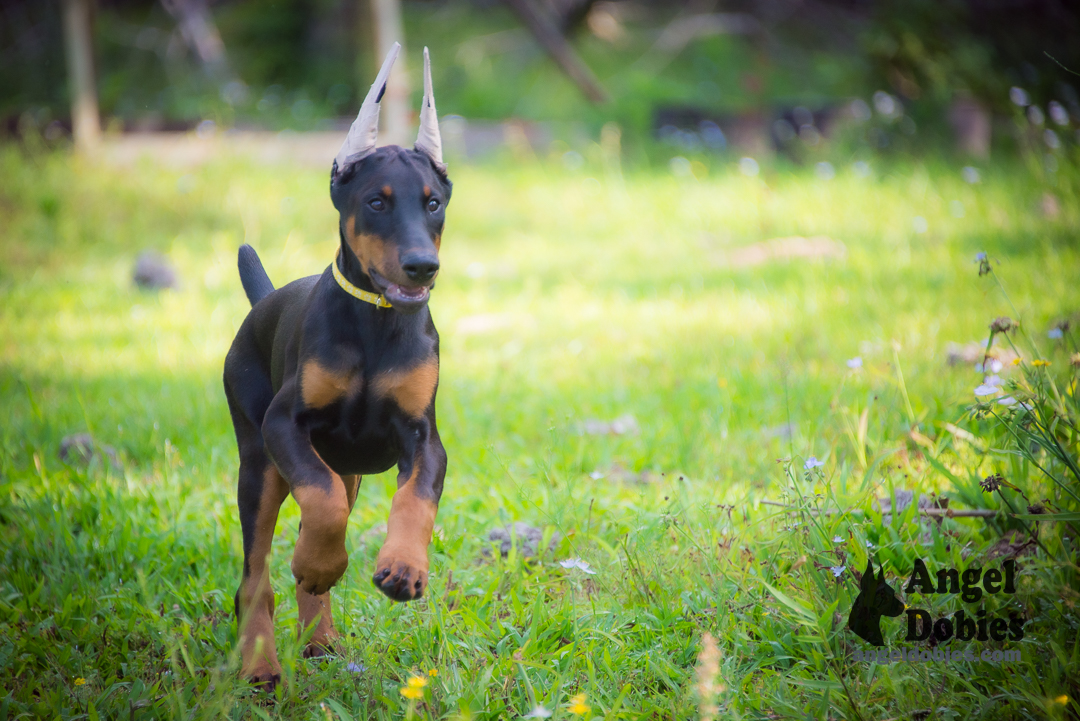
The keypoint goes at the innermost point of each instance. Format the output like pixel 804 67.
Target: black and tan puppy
pixel 334 376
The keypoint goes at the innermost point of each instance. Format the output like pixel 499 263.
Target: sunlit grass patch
pixel 616 368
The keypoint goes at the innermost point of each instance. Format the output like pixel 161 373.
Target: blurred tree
pixel 78 36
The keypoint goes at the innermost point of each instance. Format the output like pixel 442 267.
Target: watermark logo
pixel 921 625
pixel 876 599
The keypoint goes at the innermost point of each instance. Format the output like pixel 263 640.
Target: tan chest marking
pixel 321 387
pixel 411 389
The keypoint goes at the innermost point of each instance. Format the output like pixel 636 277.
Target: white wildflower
pixel 578 564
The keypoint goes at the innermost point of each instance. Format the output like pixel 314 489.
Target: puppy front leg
pixel 319 559
pixel 401 569
pixel 318 609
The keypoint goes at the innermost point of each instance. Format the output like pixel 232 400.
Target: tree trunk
pixel 394 116
pixel 85 123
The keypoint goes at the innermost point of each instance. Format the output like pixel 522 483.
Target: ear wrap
pixel 428 140
pixel 364 133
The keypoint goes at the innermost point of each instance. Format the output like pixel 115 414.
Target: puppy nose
pixel 420 268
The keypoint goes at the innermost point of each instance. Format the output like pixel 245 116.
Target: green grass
pixel 564 297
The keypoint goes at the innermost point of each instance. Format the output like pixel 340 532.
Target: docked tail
pixel 253 277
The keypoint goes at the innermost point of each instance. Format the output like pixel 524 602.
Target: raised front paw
pixel 316 566
pixel 401 579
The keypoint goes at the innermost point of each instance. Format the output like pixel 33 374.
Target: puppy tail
pixel 253 277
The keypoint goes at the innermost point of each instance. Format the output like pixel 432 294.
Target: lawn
pixel 676 303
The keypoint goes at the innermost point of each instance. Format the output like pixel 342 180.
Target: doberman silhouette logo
pixel 876 599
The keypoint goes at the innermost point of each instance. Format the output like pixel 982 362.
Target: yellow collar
pixel 373 298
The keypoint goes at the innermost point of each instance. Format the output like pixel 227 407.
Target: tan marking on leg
pixel 387 191
pixel 371 250
pixel 317 610
pixel 257 648
pixel 404 553
pixel 412 389
pixel 320 559
pixel 320 387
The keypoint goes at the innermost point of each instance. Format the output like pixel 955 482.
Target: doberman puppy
pixel 334 376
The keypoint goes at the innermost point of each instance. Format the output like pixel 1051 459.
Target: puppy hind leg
pixel 260 492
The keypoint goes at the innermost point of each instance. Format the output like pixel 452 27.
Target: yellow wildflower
pixel 1016 361
pixel 80 681
pixel 414 687
pixel 578 706
pixel 433 672
pixel 1062 699
pixel 1040 362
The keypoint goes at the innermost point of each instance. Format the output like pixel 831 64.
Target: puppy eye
pixel 377 204
pixel 432 205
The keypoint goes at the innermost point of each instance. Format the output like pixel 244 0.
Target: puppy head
pixel 392 210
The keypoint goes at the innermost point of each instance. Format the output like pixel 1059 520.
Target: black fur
pixel 253 277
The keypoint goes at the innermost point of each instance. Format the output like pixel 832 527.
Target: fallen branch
pixel 946 512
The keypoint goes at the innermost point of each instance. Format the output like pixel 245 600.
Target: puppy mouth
pixel 405 298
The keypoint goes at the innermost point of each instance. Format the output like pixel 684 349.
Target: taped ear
pixel 428 140
pixel 364 132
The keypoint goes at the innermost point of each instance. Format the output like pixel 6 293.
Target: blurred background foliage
pixel 304 64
